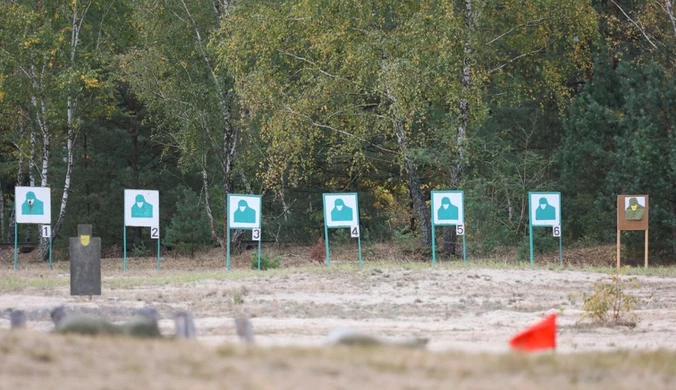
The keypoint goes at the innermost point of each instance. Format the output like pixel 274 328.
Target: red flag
pixel 539 336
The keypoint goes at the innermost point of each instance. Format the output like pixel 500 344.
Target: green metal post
pixel 50 252
pixel 16 245
pixel 158 253
pixel 227 262
pixel 434 246
pixel 359 246
pixel 259 253
pixel 560 251
pixel 124 248
pixel 328 255
pixel 530 238
pixel 464 249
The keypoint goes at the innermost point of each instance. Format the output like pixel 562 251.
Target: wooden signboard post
pixel 632 214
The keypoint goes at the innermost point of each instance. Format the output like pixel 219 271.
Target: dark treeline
pixel 290 99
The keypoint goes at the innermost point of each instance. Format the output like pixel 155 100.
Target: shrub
pixel 266 261
pixel 609 304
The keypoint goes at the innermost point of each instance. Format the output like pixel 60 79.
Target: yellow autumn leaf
pixel 30 42
pixel 90 82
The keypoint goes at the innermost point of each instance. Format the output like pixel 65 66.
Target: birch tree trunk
pixel 207 201
pixel 670 13
pixel 456 174
pixel 19 182
pixel 227 148
pixel 2 212
pixel 38 100
pixel 76 26
pixel 31 160
pixel 419 207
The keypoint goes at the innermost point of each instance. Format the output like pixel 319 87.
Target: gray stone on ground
pixel 244 329
pixel 142 325
pixel 58 314
pixel 17 319
pixel 185 325
pixel 86 325
pixel 352 337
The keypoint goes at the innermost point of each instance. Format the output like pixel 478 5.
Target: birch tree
pixel 173 71
pixel 57 57
pixel 362 78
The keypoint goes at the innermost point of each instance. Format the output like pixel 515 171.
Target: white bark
pixel 228 147
pixel 31 160
pixel 466 79
pixel 39 103
pixel 635 23
pixel 19 182
pixel 71 136
pixel 464 102
pixel 670 13
pixel 207 202
pixel 415 188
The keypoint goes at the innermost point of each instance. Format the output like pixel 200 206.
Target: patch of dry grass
pixel 35 275
pixel 34 360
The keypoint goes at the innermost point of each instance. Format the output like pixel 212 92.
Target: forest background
pixel 293 98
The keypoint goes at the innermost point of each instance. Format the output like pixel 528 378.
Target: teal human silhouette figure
pixel 244 213
pixel 545 211
pixel 141 209
pixel 341 212
pixel 447 211
pixel 32 205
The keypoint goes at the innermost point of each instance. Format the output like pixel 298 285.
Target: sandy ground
pixel 468 313
pixel 469 310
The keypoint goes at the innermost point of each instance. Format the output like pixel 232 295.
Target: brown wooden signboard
pixel 632 214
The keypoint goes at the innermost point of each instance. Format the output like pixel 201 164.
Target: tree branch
pixel 635 24
pixel 516 58
pixel 315 124
pixel 529 23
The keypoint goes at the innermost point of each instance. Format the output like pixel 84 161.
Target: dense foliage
pixel 293 98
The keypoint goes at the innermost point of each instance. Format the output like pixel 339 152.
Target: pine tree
pixel 588 156
pixel 647 151
pixel 189 227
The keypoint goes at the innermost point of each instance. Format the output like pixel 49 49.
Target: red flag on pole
pixel 539 336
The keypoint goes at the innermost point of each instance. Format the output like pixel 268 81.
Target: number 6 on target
pixel 556 230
